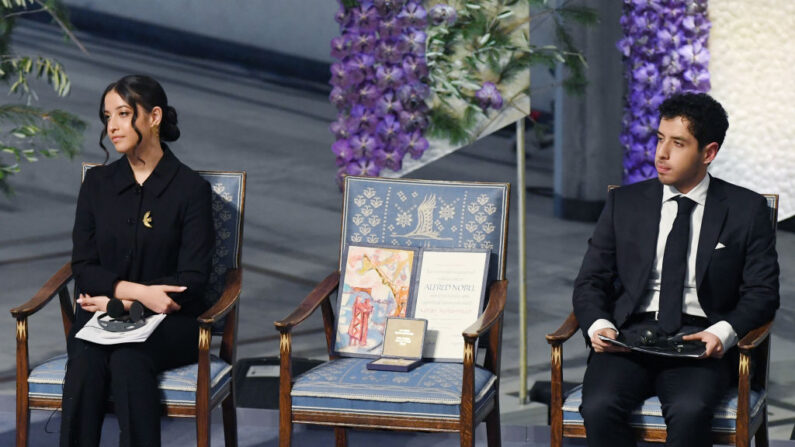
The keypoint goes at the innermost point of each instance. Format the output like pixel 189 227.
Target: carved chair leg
pixel 203 390
pixel 230 420
pixel 493 425
pixel 23 370
pixel 23 425
pixel 340 437
pixel 285 386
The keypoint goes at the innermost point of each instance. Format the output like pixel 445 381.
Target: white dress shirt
pixel 690 304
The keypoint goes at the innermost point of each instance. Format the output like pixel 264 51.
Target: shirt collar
pixel 697 194
pixel 165 170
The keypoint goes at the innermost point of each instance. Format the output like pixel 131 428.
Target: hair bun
pixel 168 127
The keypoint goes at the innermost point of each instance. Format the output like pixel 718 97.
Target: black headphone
pixel 122 320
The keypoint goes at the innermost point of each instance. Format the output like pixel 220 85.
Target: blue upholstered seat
pixel 430 390
pixel 650 413
pixel 177 386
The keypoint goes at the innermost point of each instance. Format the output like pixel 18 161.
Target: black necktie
pixel 672 283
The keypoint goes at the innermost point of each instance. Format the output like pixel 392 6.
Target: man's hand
pixel 713 344
pixel 93 303
pixel 600 345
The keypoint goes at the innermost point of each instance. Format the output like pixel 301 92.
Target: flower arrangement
pixel 665 51
pixel 379 85
pixel 410 71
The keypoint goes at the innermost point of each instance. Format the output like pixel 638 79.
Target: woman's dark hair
pixel 141 90
pixel 706 118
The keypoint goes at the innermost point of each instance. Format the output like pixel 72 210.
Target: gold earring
pixel 156 131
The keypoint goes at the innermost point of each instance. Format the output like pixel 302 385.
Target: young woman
pixel 143 232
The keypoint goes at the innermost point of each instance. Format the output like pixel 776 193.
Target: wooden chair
pixel 462 215
pixel 741 415
pixel 189 391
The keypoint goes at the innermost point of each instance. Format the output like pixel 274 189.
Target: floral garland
pixel 665 51
pixel 378 85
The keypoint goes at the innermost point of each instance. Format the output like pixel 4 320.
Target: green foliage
pixel 487 30
pixel 28 133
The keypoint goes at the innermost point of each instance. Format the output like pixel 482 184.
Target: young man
pixel 683 253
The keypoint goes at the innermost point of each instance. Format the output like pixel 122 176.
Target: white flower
pixel 447 212
pixel 404 219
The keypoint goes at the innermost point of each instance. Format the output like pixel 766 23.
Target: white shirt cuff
pixel 725 332
pixel 601 324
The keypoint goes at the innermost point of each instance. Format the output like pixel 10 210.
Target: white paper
pixel 93 332
pixel 449 296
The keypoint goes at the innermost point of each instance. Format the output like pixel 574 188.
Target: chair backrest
pixel 427 213
pixel 228 203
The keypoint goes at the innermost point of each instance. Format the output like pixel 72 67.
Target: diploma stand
pixel 477 385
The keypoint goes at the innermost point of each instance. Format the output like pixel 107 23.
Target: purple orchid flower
pixel 414 143
pixel 342 17
pixel 489 97
pixel 338 97
pixel 363 145
pixel 362 42
pixel 388 129
pixel 414 68
pixel 359 67
pixel 413 42
pixel 390 28
pixel 367 94
pixel 344 152
pixel 340 77
pixel 388 103
pixel 388 76
pixel 388 51
pixel 389 158
pixel 413 15
pixel 343 127
pixel 443 13
pixel 363 167
pixel 365 18
pixel 413 96
pixel 340 46
pixel 364 117
pixel 413 119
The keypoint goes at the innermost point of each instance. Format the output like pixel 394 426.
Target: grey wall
pixel 296 27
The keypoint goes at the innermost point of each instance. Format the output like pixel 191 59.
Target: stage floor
pixel 260 428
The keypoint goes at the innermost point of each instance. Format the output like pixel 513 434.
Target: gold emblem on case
pixel 147 220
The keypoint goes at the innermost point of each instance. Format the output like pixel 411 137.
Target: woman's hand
pixel 93 303
pixel 156 299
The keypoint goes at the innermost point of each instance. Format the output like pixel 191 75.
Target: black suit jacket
pixel 737 283
pixel 111 242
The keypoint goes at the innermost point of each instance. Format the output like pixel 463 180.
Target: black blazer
pixel 737 283
pixel 112 243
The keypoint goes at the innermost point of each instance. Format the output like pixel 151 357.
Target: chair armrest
pixel 493 312
pixel 45 294
pixel 227 301
pixel 755 337
pixel 565 331
pixel 320 293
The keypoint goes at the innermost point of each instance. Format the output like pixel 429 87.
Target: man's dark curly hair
pixel 706 119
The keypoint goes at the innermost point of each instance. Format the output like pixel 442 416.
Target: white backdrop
pixel 753 75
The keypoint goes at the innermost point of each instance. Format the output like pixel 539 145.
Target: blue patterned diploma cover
pixel 376 284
